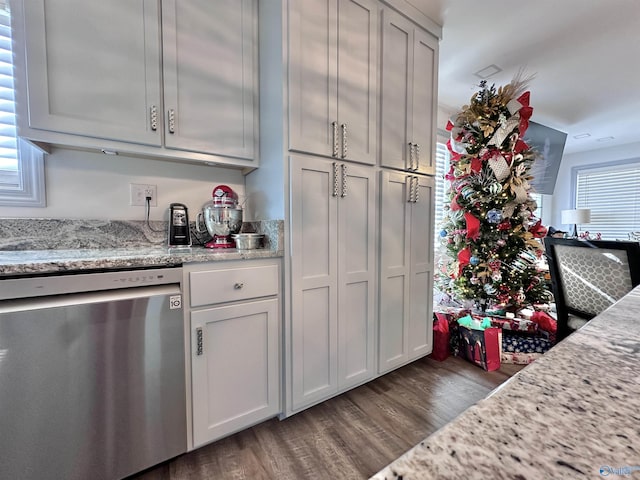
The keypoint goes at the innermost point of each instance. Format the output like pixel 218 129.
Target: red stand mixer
pixel 222 217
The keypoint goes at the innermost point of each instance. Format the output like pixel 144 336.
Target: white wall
pixel 561 199
pixel 84 185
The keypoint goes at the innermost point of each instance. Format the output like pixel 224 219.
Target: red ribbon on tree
pixel 538 230
pixel 520 146
pixel 525 112
pixel 454 203
pixel 473 226
pixel 464 256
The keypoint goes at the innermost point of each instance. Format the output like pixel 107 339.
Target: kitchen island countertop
pixel 34 262
pixel 573 413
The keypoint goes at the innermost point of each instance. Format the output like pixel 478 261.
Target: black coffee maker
pixel 179 235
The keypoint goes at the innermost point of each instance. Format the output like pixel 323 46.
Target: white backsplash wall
pixel 84 185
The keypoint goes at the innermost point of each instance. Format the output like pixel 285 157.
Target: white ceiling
pixel 585 55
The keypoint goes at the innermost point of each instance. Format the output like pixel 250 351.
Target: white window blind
pixel 21 165
pixel 442 165
pixel 8 144
pixel 538 198
pixel 613 195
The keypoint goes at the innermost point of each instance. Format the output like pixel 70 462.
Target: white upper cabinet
pixel 178 75
pixel 94 68
pixel 409 95
pixel 333 47
pixel 209 75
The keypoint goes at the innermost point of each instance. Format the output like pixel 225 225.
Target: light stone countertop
pixel 573 413
pixel 31 246
pixel 32 262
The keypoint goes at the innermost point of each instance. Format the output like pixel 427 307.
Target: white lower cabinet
pixel 235 348
pixel 406 269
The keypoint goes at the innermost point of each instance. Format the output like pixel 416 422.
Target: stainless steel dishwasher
pixel 92 379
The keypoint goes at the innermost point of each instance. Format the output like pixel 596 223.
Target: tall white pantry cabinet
pixel 322 169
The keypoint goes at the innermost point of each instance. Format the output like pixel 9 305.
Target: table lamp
pixel 578 216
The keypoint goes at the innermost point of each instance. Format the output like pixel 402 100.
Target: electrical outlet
pixel 139 193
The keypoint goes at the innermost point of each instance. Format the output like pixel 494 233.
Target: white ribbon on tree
pixel 505 130
pixel 500 167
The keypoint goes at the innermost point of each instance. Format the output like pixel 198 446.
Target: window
pixel 612 192
pixel 538 198
pixel 442 165
pixel 21 165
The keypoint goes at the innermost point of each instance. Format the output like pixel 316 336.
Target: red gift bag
pixel 482 347
pixel 440 350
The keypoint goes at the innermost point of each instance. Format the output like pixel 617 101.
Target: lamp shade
pixel 577 216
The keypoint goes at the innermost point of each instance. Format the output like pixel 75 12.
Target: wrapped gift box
pixel 514 324
pixel 519 358
pixel 514 343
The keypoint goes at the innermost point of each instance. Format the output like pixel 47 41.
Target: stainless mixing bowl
pixel 220 221
pixel 248 241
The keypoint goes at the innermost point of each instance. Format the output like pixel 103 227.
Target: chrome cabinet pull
pixel 344 140
pixel 409 186
pixel 416 190
pixel 335 179
pixel 344 181
pixel 153 118
pixel 410 145
pixel 238 285
pixel 335 139
pixel 172 120
pixel 199 347
pixel 417 156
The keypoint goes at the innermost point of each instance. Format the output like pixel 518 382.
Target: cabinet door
pixel 356 275
pixel 357 79
pixel 210 56
pixel 424 104
pixel 420 323
pixel 93 77
pixel 314 334
pixel 396 94
pixel 395 270
pixel 235 373
pixel 312 76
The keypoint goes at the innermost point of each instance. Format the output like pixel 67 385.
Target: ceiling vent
pixel 487 72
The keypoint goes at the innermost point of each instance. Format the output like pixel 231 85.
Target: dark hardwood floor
pixel 351 436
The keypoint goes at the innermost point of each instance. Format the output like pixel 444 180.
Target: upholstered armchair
pixel 588 276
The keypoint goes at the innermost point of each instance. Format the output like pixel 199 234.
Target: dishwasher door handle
pixel 86 298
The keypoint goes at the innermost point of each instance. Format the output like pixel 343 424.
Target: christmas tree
pixel 489 230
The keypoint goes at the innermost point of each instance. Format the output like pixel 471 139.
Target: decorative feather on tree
pixel 489 230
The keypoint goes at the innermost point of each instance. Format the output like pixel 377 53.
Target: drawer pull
pixel 238 285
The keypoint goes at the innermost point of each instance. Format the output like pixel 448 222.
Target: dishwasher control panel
pixel 87 282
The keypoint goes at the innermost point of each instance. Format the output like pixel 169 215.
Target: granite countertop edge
pixel 33 262
pixel 570 414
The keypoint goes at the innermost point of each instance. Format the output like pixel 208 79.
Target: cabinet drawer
pixel 228 285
